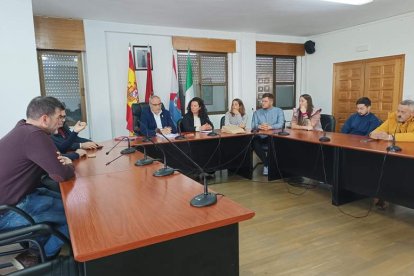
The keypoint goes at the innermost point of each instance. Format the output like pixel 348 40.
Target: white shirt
pixel 157 118
pixel 197 123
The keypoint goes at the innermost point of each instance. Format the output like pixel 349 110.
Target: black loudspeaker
pixel 310 47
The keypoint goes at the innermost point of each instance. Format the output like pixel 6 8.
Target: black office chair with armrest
pixel 222 121
pixel 328 122
pixel 29 235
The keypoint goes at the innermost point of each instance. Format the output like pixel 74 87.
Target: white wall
pixel 393 36
pixel 107 65
pixel 19 76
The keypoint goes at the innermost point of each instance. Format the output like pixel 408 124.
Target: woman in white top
pixel 236 115
pixel 196 118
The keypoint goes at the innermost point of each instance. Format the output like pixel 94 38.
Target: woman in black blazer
pixel 196 118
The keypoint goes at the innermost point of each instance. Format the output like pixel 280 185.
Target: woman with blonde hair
pixel 236 115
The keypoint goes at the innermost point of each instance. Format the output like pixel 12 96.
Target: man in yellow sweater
pixel 401 123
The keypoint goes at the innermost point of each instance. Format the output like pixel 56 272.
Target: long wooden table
pixel 224 151
pixel 353 166
pixel 124 221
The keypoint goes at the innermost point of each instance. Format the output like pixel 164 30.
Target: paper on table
pixel 206 131
pixel 171 135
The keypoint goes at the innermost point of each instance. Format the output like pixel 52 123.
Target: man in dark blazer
pixel 156 117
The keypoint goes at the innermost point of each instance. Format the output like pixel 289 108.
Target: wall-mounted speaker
pixel 310 47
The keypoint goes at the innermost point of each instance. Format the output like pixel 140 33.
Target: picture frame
pixel 140 57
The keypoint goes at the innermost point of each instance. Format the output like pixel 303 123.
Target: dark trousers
pixel 260 146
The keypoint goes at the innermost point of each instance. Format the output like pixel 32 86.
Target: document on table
pixel 171 135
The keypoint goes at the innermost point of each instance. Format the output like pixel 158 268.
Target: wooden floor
pixel 305 234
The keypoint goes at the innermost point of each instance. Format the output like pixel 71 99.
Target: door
pixel 379 79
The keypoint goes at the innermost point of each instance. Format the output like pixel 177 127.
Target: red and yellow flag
pixel 132 93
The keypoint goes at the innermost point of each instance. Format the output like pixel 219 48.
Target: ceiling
pixel 283 17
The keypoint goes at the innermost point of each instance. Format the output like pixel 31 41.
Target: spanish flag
pixel 132 93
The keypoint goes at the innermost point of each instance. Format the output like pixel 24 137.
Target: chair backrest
pixel 136 114
pixel 328 122
pixel 222 120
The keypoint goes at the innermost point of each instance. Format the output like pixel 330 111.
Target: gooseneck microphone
pixel 164 171
pixel 128 150
pixel 393 147
pixel 180 136
pixel 206 198
pixel 125 151
pixel 283 132
pixel 146 160
pixel 324 138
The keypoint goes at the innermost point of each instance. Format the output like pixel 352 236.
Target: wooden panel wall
pixel 59 34
pixel 279 49
pixel 204 44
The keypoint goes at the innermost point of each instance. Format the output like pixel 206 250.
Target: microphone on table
pixel 212 133
pixel 180 136
pixel 324 138
pixel 206 198
pixel 393 147
pixel 125 151
pixel 146 160
pixel 107 163
pixel 283 132
pixel 165 170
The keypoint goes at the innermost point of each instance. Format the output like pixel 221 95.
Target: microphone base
pixel 394 148
pixel 128 151
pixel 180 137
pixel 324 139
pixel 163 172
pixel 144 162
pixel 203 200
pixel 212 134
pixel 283 133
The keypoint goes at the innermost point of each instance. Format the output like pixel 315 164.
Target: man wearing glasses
pixel 27 153
pixel 156 117
pixel 68 142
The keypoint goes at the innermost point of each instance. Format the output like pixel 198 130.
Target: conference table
pixel 354 165
pixel 225 151
pixel 124 221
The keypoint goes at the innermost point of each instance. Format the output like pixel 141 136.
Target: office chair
pixel 222 120
pixel 328 122
pixel 30 235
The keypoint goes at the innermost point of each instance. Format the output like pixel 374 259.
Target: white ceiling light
pixel 351 2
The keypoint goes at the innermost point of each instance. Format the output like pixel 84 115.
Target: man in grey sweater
pixel 28 153
pixel 266 118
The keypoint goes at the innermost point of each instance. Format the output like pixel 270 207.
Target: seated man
pixel 156 117
pixel 401 124
pixel 27 153
pixel 66 140
pixel 362 122
pixel 266 118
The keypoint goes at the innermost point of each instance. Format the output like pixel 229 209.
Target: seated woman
pixel 196 118
pixel 236 115
pixel 306 117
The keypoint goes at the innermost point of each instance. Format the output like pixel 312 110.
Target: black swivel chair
pixel 222 120
pixel 29 235
pixel 328 122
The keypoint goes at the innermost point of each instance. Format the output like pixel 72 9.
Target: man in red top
pixel 28 152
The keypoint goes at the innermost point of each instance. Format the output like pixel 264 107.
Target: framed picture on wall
pixel 140 57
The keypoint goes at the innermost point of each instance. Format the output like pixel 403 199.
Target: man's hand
pixel 64 160
pixel 381 135
pixel 79 126
pixel 81 152
pixel 265 126
pixel 166 130
pixel 89 145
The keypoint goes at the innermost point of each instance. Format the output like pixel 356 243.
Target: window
pixel 276 75
pixel 209 79
pixel 61 77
